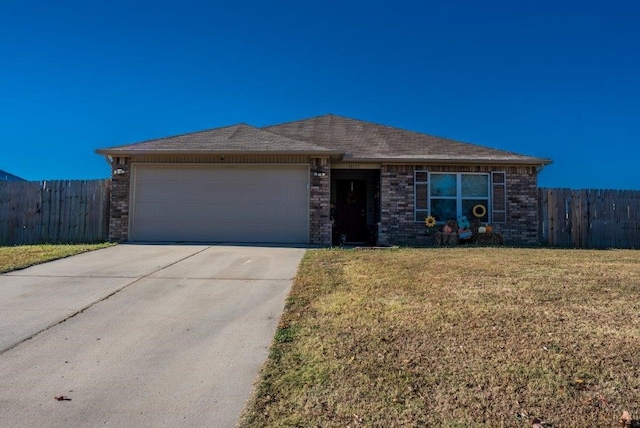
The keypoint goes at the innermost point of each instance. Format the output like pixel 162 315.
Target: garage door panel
pixel 281 213
pixel 225 232
pixel 294 213
pixel 288 192
pixel 296 192
pixel 148 213
pixel 221 203
pixel 287 231
pixel 152 192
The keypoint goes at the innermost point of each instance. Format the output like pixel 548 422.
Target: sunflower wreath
pixel 479 211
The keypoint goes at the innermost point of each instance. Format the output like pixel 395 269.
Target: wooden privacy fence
pixel 590 218
pixel 60 211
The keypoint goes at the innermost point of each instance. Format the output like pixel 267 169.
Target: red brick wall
pixel 397 204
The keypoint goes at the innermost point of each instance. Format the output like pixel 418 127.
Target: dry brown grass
pixel 22 256
pixel 463 337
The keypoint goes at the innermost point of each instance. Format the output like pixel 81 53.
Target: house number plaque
pixel 354 165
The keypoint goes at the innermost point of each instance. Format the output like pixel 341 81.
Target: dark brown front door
pixel 351 207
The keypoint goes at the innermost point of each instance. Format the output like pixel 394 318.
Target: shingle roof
pixel 230 139
pixel 5 176
pixel 363 141
pixel 351 139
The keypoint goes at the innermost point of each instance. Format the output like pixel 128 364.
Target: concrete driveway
pixel 140 335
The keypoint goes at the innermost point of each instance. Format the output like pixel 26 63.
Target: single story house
pixel 312 180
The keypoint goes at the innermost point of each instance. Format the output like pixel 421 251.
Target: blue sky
pixel 556 79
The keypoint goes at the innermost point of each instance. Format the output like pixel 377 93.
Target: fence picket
pixel 4 206
pixel 590 218
pixel 54 211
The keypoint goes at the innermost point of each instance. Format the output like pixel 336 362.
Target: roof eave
pixel 108 152
pixel 332 153
pixel 449 161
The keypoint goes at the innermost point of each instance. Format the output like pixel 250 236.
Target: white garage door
pixel 222 203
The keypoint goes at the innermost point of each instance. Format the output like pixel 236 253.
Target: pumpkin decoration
pixel 488 228
pixel 447 229
pixel 482 229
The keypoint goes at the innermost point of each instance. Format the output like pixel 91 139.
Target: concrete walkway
pixel 140 335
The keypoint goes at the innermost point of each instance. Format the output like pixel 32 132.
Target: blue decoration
pixel 463 222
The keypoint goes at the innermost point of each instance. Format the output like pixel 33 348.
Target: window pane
pixel 443 209
pixel 467 209
pixel 475 185
pixel 443 185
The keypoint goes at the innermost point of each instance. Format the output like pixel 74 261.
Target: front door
pixel 351 205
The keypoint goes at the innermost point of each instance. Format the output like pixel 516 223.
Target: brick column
pixel 319 201
pixel 523 206
pixel 119 200
pixel 397 224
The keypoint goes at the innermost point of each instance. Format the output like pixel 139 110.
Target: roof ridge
pixel 289 138
pixel 403 130
pixel 339 116
pixel 300 120
pixel 184 134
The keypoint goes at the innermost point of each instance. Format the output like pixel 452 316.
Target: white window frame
pixel 458 198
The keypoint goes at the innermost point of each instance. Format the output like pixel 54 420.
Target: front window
pixel 448 196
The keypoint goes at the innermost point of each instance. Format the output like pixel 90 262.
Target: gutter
pixel 107 152
pixel 340 155
pixel 395 161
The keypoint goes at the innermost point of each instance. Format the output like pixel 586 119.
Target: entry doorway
pixel 351 210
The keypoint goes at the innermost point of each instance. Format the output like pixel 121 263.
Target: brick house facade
pixel 347 160
pixel 397 207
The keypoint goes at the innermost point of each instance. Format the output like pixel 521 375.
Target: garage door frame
pixel 136 165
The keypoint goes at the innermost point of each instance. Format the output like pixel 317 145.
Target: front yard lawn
pixel 456 337
pixel 22 256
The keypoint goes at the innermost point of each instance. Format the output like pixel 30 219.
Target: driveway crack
pixel 102 299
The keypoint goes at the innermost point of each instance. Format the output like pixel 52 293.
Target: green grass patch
pixel 469 337
pixel 22 256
